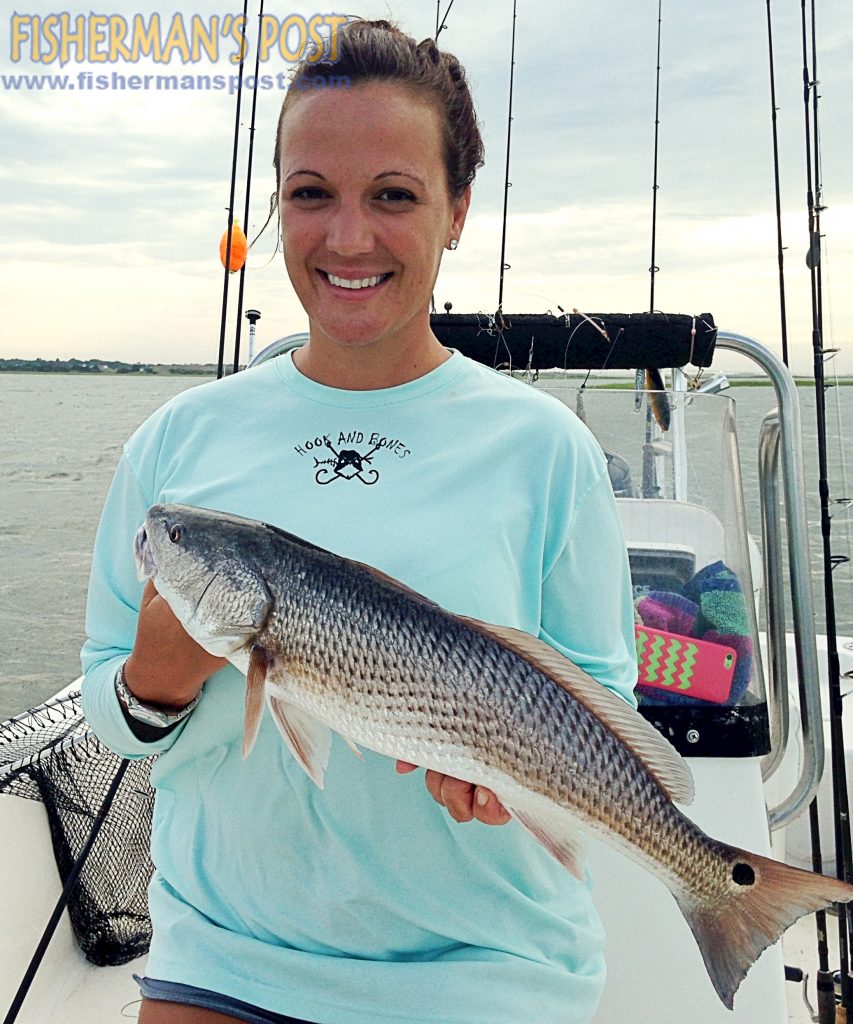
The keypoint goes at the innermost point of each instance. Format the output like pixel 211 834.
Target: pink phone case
pixel 685 665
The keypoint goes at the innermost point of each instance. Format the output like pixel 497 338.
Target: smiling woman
pixel 273 901
pixel 364 225
pixel 363 232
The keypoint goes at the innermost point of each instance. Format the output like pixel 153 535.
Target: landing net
pixel 49 754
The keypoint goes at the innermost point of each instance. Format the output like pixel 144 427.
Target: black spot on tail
pixel 743 874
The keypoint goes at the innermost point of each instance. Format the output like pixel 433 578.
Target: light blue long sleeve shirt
pixel 365 901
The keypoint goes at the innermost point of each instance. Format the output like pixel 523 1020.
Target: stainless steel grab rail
pixel 802 604
pixel 774 591
pixel 278 348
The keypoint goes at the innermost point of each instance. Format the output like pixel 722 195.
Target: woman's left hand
pixel 463 800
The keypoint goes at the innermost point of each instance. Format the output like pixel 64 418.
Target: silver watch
pixel 155 717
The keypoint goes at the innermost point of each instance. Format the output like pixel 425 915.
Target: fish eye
pixel 176 532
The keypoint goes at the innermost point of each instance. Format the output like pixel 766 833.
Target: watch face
pixel 150 716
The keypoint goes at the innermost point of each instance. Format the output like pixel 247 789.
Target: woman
pixel 273 900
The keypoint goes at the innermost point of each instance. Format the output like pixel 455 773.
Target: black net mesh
pixel 48 754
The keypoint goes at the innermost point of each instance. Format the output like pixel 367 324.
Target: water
pixel 62 436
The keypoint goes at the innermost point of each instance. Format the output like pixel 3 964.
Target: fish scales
pixel 398 668
pixel 337 645
pixel 401 664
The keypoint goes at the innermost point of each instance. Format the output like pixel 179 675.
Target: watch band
pixel 152 716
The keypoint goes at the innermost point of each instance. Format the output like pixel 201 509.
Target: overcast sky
pixel 112 202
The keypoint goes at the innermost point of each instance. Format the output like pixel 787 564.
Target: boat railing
pixel 278 348
pixel 788 452
pixel 777 648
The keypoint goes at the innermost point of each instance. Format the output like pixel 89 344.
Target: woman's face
pixel 365 214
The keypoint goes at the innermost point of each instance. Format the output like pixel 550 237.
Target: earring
pixel 453 244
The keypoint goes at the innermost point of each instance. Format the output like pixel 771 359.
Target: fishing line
pixel 575 329
pixel 492 328
pixel 693 382
pixel 611 349
pixel 531 375
pixel 602 330
pixel 579 406
pixel 583 319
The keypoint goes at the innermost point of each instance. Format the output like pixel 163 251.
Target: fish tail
pixel 765 899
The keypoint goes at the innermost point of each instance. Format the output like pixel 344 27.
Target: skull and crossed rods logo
pixel 347 464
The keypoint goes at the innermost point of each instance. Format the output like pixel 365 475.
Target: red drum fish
pixel 334 645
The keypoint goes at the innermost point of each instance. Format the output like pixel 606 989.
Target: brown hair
pixel 377 51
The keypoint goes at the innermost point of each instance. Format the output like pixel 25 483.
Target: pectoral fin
pixel 308 738
pixel 256 677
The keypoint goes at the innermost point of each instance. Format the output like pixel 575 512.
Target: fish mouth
pixel 143 555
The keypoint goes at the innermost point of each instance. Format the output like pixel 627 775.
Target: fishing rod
pixel 220 365
pixel 507 182
pixel 824 982
pixel 650 488
pixel 653 269
pixel 777 188
pixel 236 365
pixel 841 811
pixel 439 28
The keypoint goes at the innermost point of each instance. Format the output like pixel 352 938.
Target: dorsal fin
pixel 658 756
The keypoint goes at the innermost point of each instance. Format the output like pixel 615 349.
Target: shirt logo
pixel 350 456
pixel 347 464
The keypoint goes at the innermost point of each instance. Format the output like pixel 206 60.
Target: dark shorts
pixel 172 992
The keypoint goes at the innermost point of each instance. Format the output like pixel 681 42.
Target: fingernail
pixel 482 798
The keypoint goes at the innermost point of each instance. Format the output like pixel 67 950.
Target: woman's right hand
pixel 166 666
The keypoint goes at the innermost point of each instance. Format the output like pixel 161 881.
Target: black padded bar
pixel 542 341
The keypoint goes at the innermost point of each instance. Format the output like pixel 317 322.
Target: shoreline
pixel 149 370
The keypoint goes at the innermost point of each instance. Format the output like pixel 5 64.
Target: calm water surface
pixel 61 438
